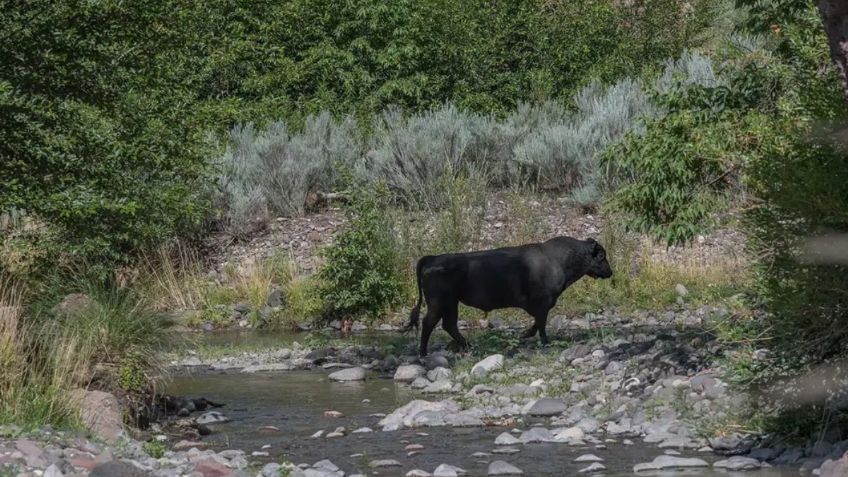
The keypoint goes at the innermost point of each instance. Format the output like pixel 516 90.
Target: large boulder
pixel 100 413
pixel 350 374
pixel 835 468
pixel 484 367
pixel 74 305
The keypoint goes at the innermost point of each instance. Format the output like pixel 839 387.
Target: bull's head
pixel 599 267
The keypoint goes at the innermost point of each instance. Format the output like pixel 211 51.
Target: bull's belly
pixel 491 303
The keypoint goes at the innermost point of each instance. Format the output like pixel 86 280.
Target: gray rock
pixel 613 367
pixel 537 434
pixel 546 407
pixel 506 450
pixel 594 467
pixel 439 374
pixel 53 471
pixel 670 462
pixel 763 453
pixel 275 298
pixel 350 374
pixel 678 442
pixel 506 439
pixel 447 470
pixel 409 373
pixel 116 468
pixel 500 467
pixel 789 457
pixel 681 290
pixel 438 387
pixel 435 360
pixel 588 458
pixel 485 366
pixel 738 462
pixel 375 464
pixel 420 383
pixel 261 368
pixel 212 417
pixel 418 473
pixel 574 352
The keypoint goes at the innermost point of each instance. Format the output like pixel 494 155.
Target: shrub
pixel 274 170
pixel 362 275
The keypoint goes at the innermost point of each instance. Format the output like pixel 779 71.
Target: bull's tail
pixel 416 310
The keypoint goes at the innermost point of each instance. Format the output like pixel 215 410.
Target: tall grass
pixel 112 344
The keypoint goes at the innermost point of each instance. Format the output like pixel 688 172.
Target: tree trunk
pixel 835 18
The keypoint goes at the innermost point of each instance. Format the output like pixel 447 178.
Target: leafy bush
pixel 91 142
pixel 673 177
pixel 154 449
pixel 362 273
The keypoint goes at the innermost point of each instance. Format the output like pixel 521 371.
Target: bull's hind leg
pixel 451 325
pixel 541 321
pixel 430 321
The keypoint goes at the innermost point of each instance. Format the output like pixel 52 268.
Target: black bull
pixel 530 277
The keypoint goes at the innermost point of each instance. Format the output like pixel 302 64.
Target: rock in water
pixel 418 473
pixel 447 470
pixel 500 467
pixel 439 374
pixel 375 464
pixel 835 468
pixel 506 439
pixel 409 372
pixel 588 458
pixel 350 374
pixel 487 365
pixel 670 462
pixel 212 417
pixel 546 407
pixel 593 468
pixel 738 462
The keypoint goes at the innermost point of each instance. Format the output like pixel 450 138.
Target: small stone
pixel 362 430
pixel 506 450
pixel 593 468
pixel 439 374
pixel 546 407
pixel 681 290
pixel 670 462
pixel 409 372
pixel 588 458
pixel 413 447
pixel 212 417
pixel 317 434
pixel 418 473
pixel 375 464
pixel 447 470
pixel 500 467
pixel 333 414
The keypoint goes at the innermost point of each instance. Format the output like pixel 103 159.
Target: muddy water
pixel 295 403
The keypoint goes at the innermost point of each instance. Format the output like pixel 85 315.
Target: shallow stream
pixel 295 403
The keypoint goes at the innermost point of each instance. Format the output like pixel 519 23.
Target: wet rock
pixel 485 366
pixel 789 457
pixel 409 373
pixel 506 450
pixel 537 434
pixel 333 414
pixel 350 374
pixel 545 407
pixel 678 442
pixel 418 473
pixel 500 467
pixel 100 413
pixel 405 416
pixel 738 463
pixel 439 374
pixel 588 458
pixel 268 367
pixel 447 470
pixel 594 467
pixel 362 430
pixel 506 439
pixel 420 383
pixel 376 464
pixel 570 433
pixel 670 462
pixel 212 417
pixel 117 469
